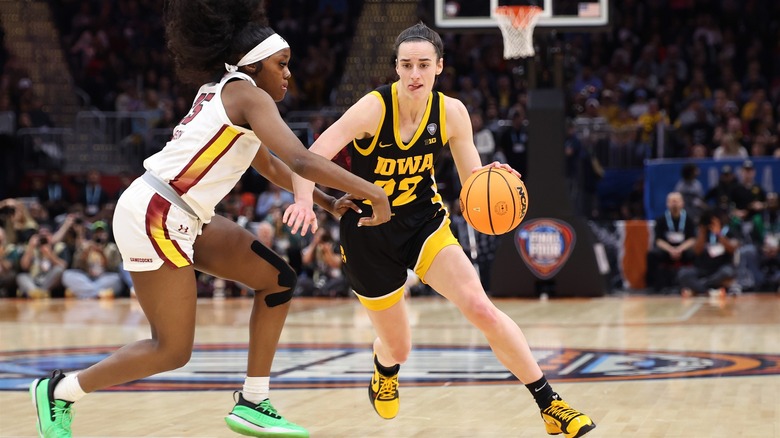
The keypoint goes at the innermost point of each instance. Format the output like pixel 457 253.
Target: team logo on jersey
pixel 545 245
pixel 432 128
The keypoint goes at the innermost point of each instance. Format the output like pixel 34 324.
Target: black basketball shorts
pixel 376 258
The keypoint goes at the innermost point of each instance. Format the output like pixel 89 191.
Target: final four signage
pixel 545 245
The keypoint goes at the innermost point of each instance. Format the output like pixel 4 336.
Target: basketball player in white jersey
pixel 166 228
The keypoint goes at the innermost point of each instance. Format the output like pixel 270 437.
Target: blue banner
pixel 662 175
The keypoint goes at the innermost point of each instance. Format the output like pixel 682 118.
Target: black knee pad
pixel 287 277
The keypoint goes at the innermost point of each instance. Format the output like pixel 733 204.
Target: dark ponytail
pixel 203 35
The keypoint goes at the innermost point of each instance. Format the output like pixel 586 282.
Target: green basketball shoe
pixel 54 416
pixel 261 420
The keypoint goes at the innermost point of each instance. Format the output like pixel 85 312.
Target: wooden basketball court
pixel 640 366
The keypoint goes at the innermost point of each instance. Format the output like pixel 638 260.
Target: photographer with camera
pixel 95 271
pixel 41 265
pixel 713 270
pixel 322 274
pixel 18 222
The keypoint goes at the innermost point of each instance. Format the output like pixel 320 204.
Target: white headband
pixel 266 48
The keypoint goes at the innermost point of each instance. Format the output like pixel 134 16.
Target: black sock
pixel 386 371
pixel 543 393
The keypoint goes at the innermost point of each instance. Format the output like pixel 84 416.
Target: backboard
pixel 556 14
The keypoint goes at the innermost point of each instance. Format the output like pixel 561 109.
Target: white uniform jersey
pixel 207 154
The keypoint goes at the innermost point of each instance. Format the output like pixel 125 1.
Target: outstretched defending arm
pixel 275 171
pixel 256 107
pixel 359 121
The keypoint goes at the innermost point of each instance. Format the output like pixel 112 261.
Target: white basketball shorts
pixel 150 231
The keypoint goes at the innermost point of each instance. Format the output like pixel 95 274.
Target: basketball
pixel 493 201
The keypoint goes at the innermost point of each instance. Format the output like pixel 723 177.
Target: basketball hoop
pixel 517 27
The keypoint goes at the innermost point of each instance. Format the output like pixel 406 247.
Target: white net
pixel 517 26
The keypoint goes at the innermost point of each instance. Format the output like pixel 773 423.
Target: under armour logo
pixel 184 229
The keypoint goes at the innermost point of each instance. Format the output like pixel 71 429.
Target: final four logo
pixel 545 245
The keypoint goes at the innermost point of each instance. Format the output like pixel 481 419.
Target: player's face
pixel 274 75
pixel 417 66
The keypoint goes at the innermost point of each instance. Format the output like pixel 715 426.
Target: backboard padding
pixel 467 14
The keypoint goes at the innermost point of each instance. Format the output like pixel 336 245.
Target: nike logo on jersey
pixel 384 145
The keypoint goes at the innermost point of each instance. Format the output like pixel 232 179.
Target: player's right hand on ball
pixel 498 165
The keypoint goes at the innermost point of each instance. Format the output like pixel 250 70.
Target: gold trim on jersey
pixel 383 302
pixel 420 127
pixel 443 120
pixel 436 198
pixel 433 244
pixel 367 151
pixel 205 159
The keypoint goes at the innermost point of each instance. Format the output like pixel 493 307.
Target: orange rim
pixel 520 15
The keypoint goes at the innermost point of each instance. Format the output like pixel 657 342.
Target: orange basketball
pixel 493 201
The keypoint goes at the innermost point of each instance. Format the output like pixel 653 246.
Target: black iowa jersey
pixel 405 171
pixel 376 259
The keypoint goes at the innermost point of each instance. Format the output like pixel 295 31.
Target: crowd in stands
pixel 677 79
pixel 58 241
pixel 56 236
pixel 117 54
pixel 724 240
pixel 117 57
pixel 683 79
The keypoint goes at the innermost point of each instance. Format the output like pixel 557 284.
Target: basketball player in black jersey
pixel 397 131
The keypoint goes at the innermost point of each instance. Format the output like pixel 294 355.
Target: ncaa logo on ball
pixel 523 200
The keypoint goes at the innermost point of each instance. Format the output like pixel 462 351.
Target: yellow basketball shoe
pixel 383 393
pixel 559 418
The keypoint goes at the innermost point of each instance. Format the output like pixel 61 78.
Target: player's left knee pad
pixel 287 277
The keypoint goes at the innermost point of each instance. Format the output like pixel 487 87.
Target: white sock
pixel 256 389
pixel 69 389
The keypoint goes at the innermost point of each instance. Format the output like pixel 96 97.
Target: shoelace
pixel 268 409
pixel 63 415
pixel 388 388
pixel 562 411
